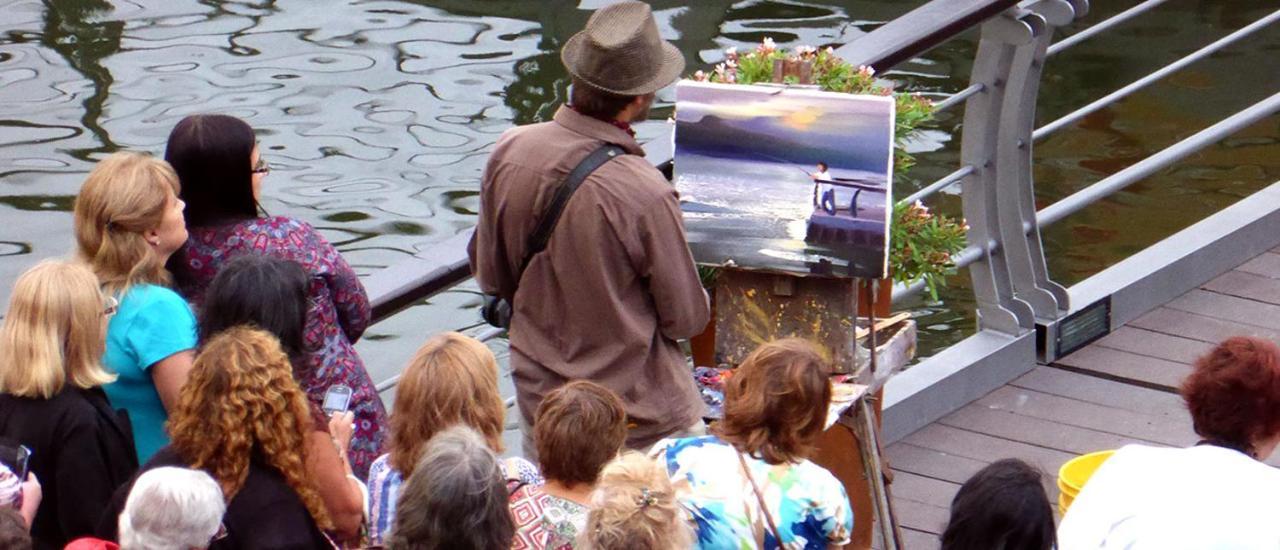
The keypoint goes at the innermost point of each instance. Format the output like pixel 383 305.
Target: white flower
pixel 731 52
pixel 866 71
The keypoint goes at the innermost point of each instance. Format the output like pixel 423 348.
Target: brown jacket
pixel 615 287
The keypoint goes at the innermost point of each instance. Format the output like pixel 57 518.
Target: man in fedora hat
pixel 615 287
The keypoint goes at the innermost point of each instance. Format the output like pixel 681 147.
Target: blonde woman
pixel 128 221
pixel 453 379
pixel 634 508
pixel 243 420
pixel 51 400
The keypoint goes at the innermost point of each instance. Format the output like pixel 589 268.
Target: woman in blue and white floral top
pixel 775 409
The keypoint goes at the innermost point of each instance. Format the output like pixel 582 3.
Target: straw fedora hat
pixel 620 51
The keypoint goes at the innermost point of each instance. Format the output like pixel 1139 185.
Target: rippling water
pixel 376 116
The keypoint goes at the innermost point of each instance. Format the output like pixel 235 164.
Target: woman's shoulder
pixel 381 467
pixel 246 232
pixel 520 469
pixel 146 301
pixel 686 447
pixel 146 293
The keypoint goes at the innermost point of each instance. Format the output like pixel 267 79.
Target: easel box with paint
pixel 745 159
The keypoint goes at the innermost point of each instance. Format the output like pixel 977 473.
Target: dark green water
pixel 377 115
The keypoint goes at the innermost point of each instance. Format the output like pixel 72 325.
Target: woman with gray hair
pixel 456 498
pixel 171 508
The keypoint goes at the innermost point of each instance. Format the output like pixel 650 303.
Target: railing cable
pixel 1103 26
pixel 958 97
pixel 945 182
pixel 1206 51
pixel 1119 180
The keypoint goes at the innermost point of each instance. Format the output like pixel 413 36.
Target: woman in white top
pixel 1217 494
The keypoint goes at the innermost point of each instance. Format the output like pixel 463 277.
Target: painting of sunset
pixel 785 179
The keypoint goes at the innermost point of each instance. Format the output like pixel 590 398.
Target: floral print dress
pixel 337 312
pixel 809 504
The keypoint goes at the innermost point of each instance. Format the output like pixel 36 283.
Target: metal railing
pixel 1010 280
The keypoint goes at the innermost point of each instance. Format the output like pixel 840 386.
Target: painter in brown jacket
pixel 616 286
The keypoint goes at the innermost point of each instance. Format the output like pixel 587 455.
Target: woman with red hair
pixel 1216 494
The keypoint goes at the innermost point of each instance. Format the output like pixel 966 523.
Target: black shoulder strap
pixel 547 223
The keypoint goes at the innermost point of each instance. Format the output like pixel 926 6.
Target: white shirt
pixel 822 188
pixel 1201 498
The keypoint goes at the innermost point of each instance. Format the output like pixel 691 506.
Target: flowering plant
pixel 832 74
pixel 922 244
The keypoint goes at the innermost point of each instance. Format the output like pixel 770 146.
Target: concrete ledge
pixel 954 378
pixel 1186 259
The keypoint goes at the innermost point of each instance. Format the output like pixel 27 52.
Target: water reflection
pixel 377 115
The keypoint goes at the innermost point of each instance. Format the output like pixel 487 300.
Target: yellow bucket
pixel 1074 474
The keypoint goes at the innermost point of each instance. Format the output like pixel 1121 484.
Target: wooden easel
pixel 753 308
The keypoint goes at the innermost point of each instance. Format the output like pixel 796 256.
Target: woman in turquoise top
pixel 128 221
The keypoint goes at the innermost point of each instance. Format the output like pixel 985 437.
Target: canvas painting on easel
pixel 785 180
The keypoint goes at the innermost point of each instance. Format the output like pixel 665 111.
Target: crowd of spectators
pixel 168 387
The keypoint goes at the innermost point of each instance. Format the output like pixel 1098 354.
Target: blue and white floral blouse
pixel 808 504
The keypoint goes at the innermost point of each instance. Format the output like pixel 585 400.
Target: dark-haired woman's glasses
pixel 261 167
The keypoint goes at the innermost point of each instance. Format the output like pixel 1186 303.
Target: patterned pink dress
pixel 337 312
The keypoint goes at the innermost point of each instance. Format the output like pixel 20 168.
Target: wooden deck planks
pixel 1199 327
pixel 1169 347
pixel 1266 264
pixel 1246 285
pixel 1127 367
pixel 1230 308
pixel 1099 391
pixel 1119 390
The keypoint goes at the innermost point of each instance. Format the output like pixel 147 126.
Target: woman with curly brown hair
pixel 243 419
pixel 1215 494
pixel 751 484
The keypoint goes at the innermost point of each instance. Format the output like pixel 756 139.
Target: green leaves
pixel 923 245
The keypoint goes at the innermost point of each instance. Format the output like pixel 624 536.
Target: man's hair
pixel 596 103
pixel 580 426
pixel 823 165
pixel 171 508
pixel 13 530
pixel 456 498
pixel 452 379
pixel 1002 507
pixel 1233 393
pixel 634 508
pixel 775 404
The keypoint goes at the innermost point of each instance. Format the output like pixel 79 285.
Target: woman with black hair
pixel 271 294
pixel 221 171
pixel 1002 507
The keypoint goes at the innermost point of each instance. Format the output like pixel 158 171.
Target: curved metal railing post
pixel 1023 250
pixel 1011 284
pixel 998 309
